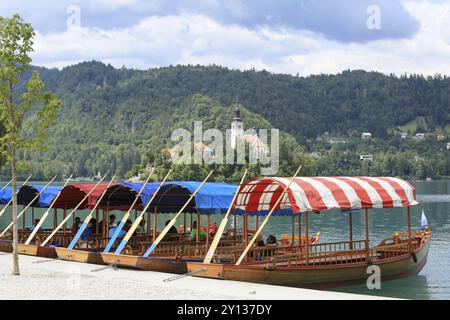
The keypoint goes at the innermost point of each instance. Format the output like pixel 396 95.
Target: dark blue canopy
pixel 212 198
pixel 50 193
pixel 148 192
pixel 28 192
pixel 6 195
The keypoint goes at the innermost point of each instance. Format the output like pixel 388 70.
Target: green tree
pixel 26 109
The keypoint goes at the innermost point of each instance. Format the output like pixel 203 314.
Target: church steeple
pixel 237 127
pixel 237 113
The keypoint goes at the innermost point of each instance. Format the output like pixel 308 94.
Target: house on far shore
pixel 420 136
pixel 440 137
pixel 419 158
pixel 403 135
pixel 316 154
pixel 334 140
pixel 366 157
pixel 366 136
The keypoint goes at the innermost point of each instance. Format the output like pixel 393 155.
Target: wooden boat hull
pixel 316 277
pixel 120 260
pixel 6 246
pixel 79 256
pixel 157 264
pixel 37 251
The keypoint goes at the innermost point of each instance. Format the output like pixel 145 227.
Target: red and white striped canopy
pixel 325 193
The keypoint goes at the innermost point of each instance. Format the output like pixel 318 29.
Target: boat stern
pixel 79 256
pixel 27 249
pixel 206 270
pixel 120 260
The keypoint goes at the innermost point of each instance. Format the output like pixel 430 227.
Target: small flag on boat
pixel 424 221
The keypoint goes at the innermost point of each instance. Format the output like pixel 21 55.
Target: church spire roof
pixel 237 113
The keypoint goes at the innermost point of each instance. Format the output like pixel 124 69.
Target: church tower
pixel 237 127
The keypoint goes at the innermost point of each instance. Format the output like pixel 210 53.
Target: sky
pixel 283 36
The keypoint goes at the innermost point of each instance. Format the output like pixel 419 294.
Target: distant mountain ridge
pixel 112 117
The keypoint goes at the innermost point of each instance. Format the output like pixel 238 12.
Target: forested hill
pixel 114 119
pixel 302 106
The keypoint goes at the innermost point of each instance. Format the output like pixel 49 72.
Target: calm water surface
pixel 434 197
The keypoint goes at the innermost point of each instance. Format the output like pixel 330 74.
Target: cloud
pixel 239 39
pixel 340 20
pixel 158 41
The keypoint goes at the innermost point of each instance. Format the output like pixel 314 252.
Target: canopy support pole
pixel 155 221
pixel 367 235
pixel 55 218
pixel 235 227
pixel 307 237
pixel 197 236
pixel 293 231
pixel 208 222
pixel 350 226
pixel 23 217
pixel 149 222
pixel 300 230
pixel 96 218
pixel 184 223
pixel 409 230
pixel 32 215
pixel 105 222
pixel 65 216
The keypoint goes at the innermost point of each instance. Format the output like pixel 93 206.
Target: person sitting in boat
pixel 271 241
pixel 76 225
pixel 141 227
pixel 212 230
pixel 112 230
pixel 94 225
pixel 172 233
pixel 112 223
pixel 86 236
pixel 201 234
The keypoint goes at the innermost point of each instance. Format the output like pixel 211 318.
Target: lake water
pixel 434 197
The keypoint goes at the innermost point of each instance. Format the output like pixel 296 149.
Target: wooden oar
pixel 70 213
pixel 88 218
pixel 174 219
pixel 6 185
pixel 223 224
pixel 45 215
pixel 10 201
pixel 138 220
pixel 126 216
pixel 29 204
pixel 258 232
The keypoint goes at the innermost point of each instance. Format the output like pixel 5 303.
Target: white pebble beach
pixel 55 279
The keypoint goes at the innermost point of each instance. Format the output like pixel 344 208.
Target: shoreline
pixel 47 279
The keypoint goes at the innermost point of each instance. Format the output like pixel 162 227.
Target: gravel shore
pixel 53 279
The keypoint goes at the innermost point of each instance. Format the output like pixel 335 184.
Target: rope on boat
pixel 113 266
pixel 184 275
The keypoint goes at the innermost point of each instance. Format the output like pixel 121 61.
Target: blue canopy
pixel 28 192
pixel 212 198
pixel 148 192
pixel 50 193
pixel 6 195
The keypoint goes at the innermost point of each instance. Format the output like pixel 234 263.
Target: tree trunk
pixel 16 270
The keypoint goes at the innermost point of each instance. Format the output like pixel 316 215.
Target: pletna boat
pixel 329 264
